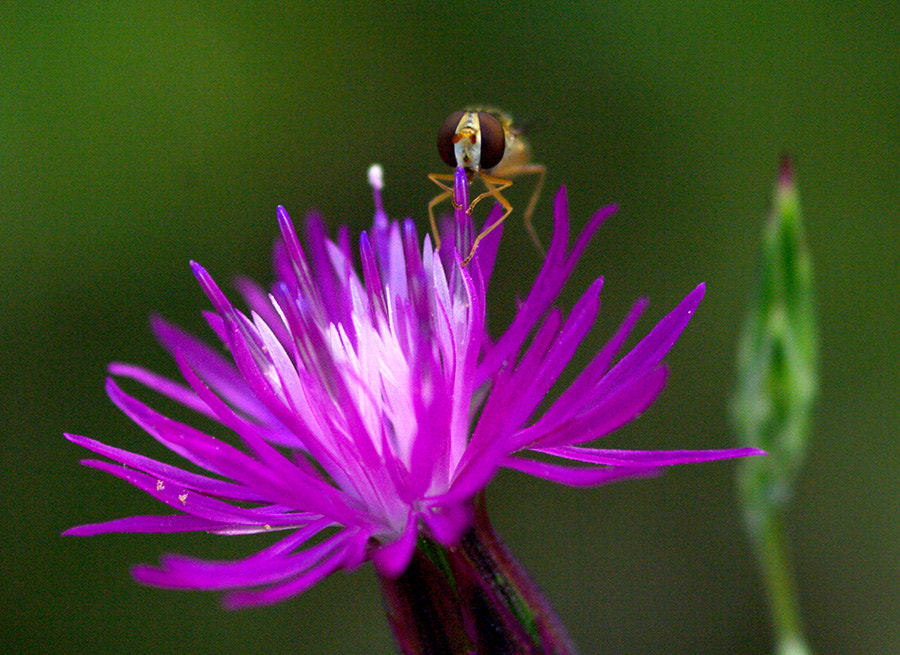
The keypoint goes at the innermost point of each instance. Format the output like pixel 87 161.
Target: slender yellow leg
pixel 494 186
pixel 540 170
pixel 439 198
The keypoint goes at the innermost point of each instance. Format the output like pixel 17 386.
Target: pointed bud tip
pixel 786 170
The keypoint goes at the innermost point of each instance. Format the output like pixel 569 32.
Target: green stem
pixel 781 589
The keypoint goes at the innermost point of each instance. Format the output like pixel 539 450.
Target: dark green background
pixel 136 136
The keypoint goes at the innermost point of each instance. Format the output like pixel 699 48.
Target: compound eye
pixel 445 138
pixel 493 140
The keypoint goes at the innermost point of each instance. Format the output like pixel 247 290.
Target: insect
pixel 489 147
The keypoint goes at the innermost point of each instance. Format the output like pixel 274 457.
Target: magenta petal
pixel 392 559
pixel 145 524
pixel 198 504
pixel 609 414
pixel 557 357
pixel 215 369
pixel 203 450
pixel 279 592
pixel 177 572
pixel 168 473
pixel 654 458
pixel 579 477
pixel 473 477
pixel 163 385
pixel 258 300
pixel 447 521
pixel 579 392
pixel 652 348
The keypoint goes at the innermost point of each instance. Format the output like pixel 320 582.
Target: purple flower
pixel 368 404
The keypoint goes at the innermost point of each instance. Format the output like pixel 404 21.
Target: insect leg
pixel 494 186
pixel 540 170
pixel 439 198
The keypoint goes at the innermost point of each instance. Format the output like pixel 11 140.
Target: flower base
pixel 473 598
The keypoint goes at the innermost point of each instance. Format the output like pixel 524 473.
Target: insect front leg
pixel 494 186
pixel 438 179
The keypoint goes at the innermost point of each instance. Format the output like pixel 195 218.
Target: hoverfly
pixel 489 147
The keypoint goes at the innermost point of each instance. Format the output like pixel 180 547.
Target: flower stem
pixel 775 562
pixel 471 599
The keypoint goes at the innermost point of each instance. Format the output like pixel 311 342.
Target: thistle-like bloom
pixel 366 404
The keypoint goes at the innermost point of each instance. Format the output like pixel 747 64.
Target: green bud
pixel 778 356
pixel 772 406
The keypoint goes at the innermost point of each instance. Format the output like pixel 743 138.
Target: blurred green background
pixel 136 136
